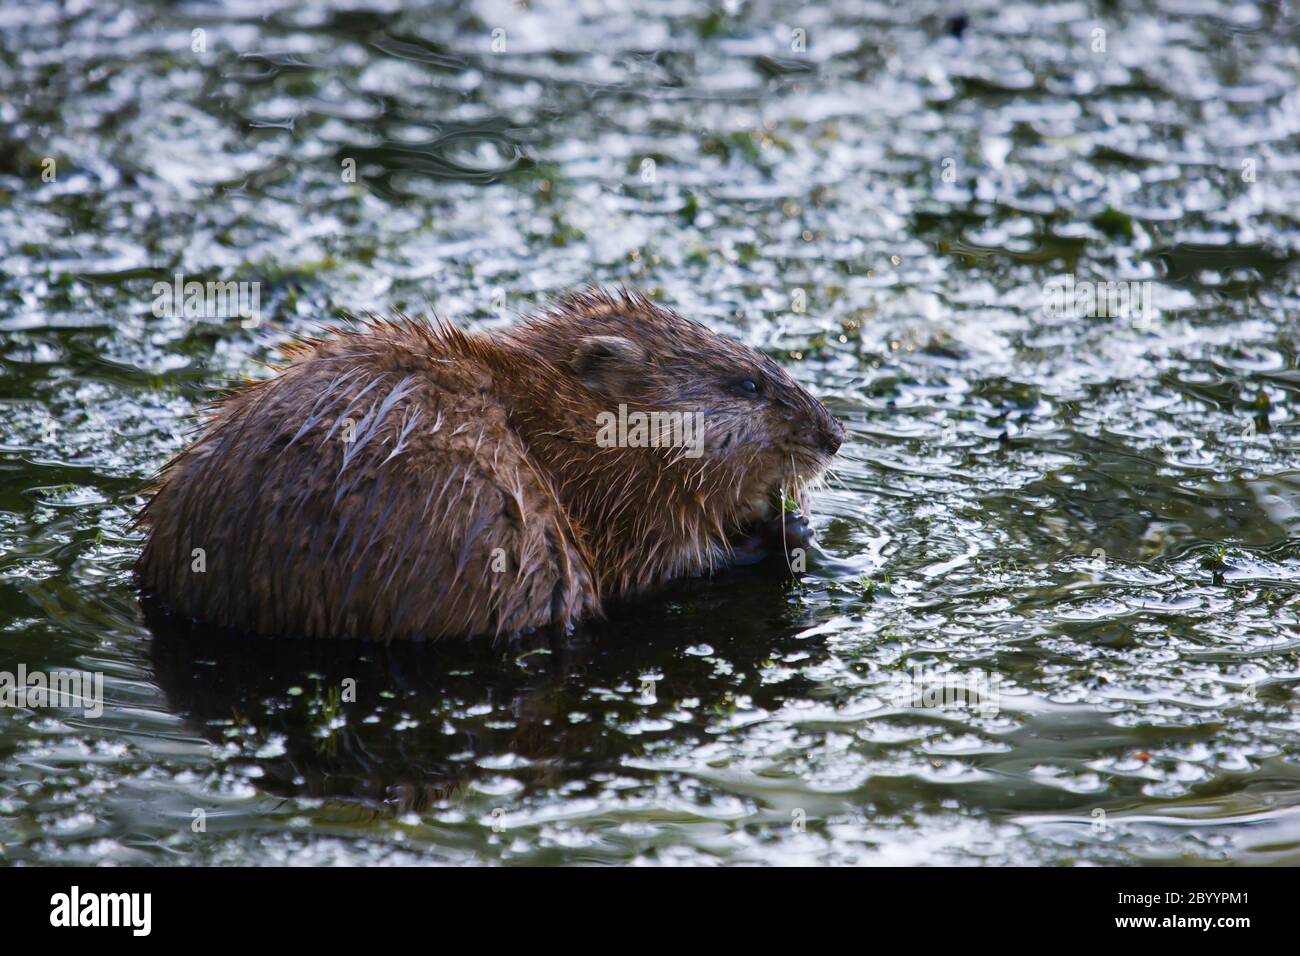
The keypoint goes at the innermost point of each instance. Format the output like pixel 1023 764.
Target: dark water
pixel 1095 513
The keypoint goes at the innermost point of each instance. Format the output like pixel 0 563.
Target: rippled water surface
pixel 1095 515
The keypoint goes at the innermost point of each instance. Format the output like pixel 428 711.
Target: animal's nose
pixel 831 435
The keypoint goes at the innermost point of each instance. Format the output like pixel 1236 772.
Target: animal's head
pixel 738 427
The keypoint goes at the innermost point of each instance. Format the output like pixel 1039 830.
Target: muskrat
pixel 408 479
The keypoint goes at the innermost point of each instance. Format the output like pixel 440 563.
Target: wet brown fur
pixel 466 443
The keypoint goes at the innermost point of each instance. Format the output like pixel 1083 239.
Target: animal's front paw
pixel 771 537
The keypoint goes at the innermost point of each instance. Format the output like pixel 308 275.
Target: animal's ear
pixel 601 362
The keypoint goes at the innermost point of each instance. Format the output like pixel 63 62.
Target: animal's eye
pixel 748 386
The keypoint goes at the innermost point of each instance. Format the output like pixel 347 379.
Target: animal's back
pixel 374 488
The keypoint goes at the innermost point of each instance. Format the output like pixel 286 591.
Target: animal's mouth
pixel 778 522
pixel 783 490
pixel 775 513
pixel 780 497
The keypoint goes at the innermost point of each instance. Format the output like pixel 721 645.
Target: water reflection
pixel 409 727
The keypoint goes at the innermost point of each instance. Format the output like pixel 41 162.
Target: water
pixel 1090 518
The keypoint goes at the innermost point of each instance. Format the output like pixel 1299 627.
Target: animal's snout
pixel 830 435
